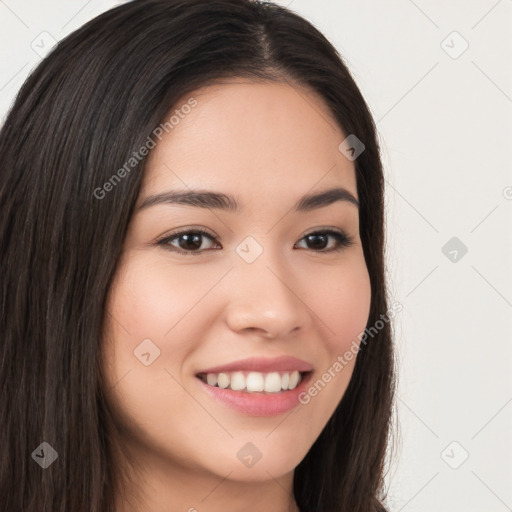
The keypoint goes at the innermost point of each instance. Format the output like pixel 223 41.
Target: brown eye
pixel 318 240
pixel 191 241
pixel 188 242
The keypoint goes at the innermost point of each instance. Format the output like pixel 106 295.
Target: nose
pixel 267 298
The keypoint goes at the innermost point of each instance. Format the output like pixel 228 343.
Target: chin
pixel 257 461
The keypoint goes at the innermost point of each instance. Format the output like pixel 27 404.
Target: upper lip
pixel 262 364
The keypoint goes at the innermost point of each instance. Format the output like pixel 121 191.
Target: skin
pixel 267 144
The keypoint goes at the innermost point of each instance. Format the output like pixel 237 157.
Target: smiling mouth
pixel 255 382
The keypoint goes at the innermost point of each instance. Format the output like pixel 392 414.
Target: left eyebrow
pixel 325 198
pixel 216 200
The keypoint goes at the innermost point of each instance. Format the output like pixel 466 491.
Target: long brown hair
pixel 77 119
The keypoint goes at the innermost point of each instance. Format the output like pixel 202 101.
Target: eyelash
pixel 342 238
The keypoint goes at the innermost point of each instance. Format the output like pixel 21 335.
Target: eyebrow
pixel 219 201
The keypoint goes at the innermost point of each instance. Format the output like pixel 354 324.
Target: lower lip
pixel 258 404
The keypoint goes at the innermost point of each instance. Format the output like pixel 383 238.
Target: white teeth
pixel 253 382
pixel 294 380
pixel 237 381
pixel 272 382
pixel 222 380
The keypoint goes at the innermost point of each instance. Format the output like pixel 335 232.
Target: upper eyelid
pixel 176 234
pixel 204 231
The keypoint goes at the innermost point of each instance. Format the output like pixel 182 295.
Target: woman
pixel 192 244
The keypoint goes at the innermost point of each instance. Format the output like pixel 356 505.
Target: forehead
pixel 243 137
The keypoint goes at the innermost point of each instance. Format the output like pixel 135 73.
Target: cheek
pixel 342 304
pixel 155 300
pixel 341 301
pixel 145 302
pixel 148 307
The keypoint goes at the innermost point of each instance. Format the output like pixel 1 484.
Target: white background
pixel 445 125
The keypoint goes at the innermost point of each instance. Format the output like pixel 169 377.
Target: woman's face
pixel 256 286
